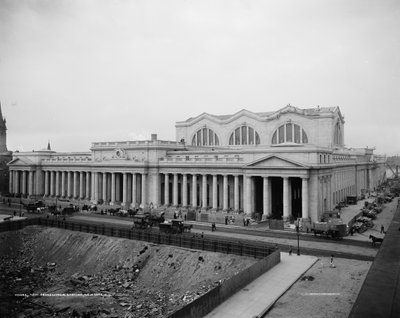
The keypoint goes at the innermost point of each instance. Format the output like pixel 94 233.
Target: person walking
pixel 290 250
pixel 382 229
pixel 331 262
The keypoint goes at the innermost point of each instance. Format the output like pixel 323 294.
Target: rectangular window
pixel 199 138
pixel 251 136
pixel 289 137
pixel 281 133
pixel 237 136
pixel 211 137
pixel 205 137
pixel 244 135
pixel 297 134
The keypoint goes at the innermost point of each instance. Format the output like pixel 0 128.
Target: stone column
pixel 87 194
pixel 30 183
pixel 17 183
pixel 304 198
pixel 96 187
pixel 52 185
pixel 23 182
pixel 112 188
pixel 93 187
pixel 81 186
pixel 62 183
pixel 144 189
pixel 184 191
pixel 104 187
pixel 46 183
pixel 69 179
pixel 175 190
pixel 11 182
pixel 134 190
pixel 248 197
pixel 75 184
pixel 215 193
pixel 124 188
pixel 329 194
pixel 285 198
pixel 267 198
pixel 194 191
pixel 204 191
pixel 225 195
pixel 236 193
pixel 166 189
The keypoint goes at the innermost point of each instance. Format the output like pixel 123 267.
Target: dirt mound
pixel 72 273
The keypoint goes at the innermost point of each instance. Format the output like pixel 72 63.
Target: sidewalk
pixel 257 297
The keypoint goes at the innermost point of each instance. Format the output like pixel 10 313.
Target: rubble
pixel 51 272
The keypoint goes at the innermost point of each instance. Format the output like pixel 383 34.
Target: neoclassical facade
pixel 287 163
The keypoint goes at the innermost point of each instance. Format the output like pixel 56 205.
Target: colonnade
pixel 22 182
pixel 225 192
pixel 125 188
pixel 218 192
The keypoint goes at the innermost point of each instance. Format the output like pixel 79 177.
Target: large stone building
pixel 287 163
pixel 5 155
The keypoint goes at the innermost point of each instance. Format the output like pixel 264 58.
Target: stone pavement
pixel 257 297
pixel 380 294
pixel 283 243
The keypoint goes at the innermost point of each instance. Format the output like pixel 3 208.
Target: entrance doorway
pixel 277 197
pixel 258 195
pixel 296 198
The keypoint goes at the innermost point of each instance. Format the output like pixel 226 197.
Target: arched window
pixel 337 136
pixel 205 137
pixel 289 133
pixel 244 135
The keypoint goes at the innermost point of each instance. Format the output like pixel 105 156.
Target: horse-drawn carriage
pixel 175 226
pixel 142 221
pixel 34 207
pixel 375 239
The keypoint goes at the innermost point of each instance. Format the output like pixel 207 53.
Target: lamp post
pixel 298 238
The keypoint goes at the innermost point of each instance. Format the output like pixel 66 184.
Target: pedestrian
pixel 247 222
pixel 331 262
pixel 15 213
pixel 202 234
pixel 382 229
pixel 226 220
pixel 213 227
pixel 290 250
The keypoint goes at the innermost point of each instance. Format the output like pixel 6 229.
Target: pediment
pixel 19 162
pixel 274 161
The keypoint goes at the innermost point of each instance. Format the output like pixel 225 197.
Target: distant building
pixel 5 155
pixel 289 163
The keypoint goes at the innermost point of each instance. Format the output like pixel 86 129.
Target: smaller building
pixel 5 155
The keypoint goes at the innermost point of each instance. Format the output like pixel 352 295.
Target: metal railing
pixel 185 240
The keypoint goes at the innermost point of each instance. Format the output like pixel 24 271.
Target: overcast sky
pixel 78 71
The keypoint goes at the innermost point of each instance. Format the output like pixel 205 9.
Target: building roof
pixel 315 111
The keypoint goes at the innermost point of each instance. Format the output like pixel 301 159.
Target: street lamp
pixel 298 237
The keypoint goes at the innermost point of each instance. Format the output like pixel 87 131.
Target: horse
pixel 375 240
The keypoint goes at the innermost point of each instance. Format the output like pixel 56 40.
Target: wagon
pixel 141 221
pixel 329 229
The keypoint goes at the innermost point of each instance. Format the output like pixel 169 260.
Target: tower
pixel 3 133
pixel 5 156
